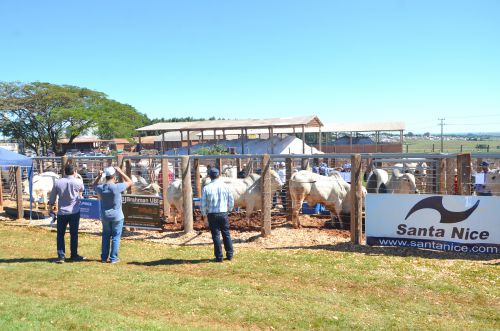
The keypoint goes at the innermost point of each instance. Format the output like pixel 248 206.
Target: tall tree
pixel 39 114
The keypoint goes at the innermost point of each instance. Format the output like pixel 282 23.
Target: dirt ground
pixel 316 230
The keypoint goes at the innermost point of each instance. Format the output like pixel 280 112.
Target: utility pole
pixel 441 120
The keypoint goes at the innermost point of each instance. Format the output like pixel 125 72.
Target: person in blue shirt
pixel 216 202
pixel 110 194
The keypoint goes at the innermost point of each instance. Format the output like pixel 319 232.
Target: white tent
pixel 276 145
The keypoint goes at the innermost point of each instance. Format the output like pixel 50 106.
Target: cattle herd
pixel 330 189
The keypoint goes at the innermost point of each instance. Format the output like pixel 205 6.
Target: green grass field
pixel 450 146
pixel 163 287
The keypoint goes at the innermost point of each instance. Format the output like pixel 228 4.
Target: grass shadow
pixel 170 262
pixel 349 247
pixel 26 260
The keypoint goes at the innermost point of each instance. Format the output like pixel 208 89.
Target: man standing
pixel 480 188
pixel 68 212
pixel 216 202
pixel 112 216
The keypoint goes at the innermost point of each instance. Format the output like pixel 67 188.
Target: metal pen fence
pixel 163 175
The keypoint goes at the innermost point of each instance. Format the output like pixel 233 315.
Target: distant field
pixel 450 146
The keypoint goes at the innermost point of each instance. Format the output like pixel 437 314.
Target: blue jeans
pixel 219 223
pixel 111 235
pixel 62 223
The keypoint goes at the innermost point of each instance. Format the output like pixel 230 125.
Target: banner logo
pixel 447 216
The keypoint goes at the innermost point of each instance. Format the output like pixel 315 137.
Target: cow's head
pixel 407 184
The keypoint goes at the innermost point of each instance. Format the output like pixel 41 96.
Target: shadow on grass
pixel 26 260
pixel 171 262
pixel 400 251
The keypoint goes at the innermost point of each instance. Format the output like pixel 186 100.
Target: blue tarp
pixel 8 158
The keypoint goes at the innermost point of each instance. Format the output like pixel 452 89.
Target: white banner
pixel 449 222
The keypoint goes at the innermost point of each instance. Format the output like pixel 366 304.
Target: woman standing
pixel 110 194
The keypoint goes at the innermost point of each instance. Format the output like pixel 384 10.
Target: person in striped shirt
pixel 216 202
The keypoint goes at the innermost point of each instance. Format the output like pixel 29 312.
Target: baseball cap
pixel 484 164
pixel 109 171
pixel 213 172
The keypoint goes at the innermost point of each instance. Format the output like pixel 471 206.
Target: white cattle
pixel 492 183
pixel 174 197
pixel 332 192
pixel 229 171
pixel 379 182
pixel 42 186
pixel 247 192
pixel 417 169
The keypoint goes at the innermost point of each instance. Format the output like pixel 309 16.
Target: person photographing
pixel 110 194
pixel 216 202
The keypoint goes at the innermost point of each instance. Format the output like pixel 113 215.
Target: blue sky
pixel 344 61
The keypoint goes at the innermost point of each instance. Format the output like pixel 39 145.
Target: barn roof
pixel 308 121
pixel 328 127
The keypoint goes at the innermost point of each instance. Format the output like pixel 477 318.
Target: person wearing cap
pixel 216 202
pixel 480 188
pixel 110 194
pixel 68 212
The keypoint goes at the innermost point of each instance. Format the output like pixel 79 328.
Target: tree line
pixel 39 114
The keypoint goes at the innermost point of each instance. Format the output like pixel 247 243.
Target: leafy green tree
pixel 213 150
pixel 39 114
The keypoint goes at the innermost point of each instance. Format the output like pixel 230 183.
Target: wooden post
pixel 197 179
pixel 40 166
pixel 19 194
pixel 242 142
pixel 320 140
pixel 238 164
pixel 165 182
pixel 128 172
pixel 64 161
pixel 304 164
pixel 450 175
pixel 119 161
pixel 356 199
pixel 266 195
pixel 441 176
pixel 369 166
pixel 288 165
pixel 1 191
pixel 464 174
pixel 163 143
pixel 303 140
pixel 218 165
pixel 187 194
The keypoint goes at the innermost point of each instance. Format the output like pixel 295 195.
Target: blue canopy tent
pixel 8 158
